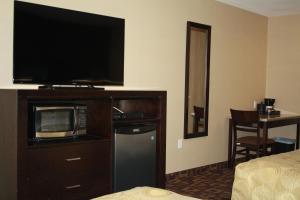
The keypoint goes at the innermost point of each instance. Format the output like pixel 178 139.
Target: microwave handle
pixel 75 120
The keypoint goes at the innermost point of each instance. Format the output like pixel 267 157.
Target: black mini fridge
pixel 134 157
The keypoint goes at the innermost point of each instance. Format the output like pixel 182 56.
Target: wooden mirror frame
pixel 206 28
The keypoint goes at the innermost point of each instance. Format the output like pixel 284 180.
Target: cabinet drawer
pixel 86 188
pixel 87 173
pixel 85 159
pixel 70 172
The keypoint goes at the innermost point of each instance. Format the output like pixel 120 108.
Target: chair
pixel 248 122
pixel 199 114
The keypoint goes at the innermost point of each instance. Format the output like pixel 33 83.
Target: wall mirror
pixel 197 80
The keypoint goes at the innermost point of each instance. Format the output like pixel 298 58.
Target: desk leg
pixel 229 164
pixel 298 134
pixel 265 138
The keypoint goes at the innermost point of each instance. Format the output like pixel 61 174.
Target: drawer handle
pixel 73 187
pixel 73 159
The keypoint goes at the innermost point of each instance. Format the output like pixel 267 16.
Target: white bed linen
pixel 274 177
pixel 145 193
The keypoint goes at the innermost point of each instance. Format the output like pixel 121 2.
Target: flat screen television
pixel 55 46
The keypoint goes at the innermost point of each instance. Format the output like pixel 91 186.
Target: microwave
pixel 59 121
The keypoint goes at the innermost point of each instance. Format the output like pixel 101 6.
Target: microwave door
pixel 54 122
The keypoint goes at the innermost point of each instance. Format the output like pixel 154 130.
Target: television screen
pixel 55 46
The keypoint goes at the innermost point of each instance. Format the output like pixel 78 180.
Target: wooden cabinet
pixel 71 169
pixel 68 172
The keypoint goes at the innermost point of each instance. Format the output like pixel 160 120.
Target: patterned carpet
pixel 208 184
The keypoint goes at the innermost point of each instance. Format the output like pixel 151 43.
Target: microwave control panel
pixel 82 116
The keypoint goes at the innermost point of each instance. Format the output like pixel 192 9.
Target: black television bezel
pixel 68 82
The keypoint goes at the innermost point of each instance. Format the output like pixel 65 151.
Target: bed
pixel 273 177
pixel 145 193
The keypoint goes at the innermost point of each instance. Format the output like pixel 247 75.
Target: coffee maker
pixel 269 103
pixel 266 107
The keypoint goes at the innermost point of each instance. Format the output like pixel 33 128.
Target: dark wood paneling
pixel 99 118
pixel 161 153
pixel 8 144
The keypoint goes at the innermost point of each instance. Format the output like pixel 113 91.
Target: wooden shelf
pixel 66 141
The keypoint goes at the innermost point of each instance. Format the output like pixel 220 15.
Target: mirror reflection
pixel 197 80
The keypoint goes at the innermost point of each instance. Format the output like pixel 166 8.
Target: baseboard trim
pixel 196 171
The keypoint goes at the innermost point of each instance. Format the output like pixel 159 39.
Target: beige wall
pixel 155 59
pixel 283 68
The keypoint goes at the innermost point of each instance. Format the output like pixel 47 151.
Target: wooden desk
pixel 267 122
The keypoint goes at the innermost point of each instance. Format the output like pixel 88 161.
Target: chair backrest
pixel 245 120
pixel 199 112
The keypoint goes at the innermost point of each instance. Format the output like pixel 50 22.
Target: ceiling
pixel 267 8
